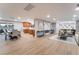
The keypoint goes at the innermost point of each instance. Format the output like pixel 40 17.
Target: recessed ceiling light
pixel 48 16
pixel 74 16
pixel 54 19
pixel 19 17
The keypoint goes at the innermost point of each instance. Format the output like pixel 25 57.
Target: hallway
pixel 37 46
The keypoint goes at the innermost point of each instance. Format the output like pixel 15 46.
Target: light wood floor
pixel 28 45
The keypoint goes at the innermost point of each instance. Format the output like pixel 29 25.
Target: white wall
pixel 53 27
pixel 36 25
pixel 39 25
pixel 47 26
pixel 77 25
pixel 18 26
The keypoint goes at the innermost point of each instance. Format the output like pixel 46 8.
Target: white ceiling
pixel 60 11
